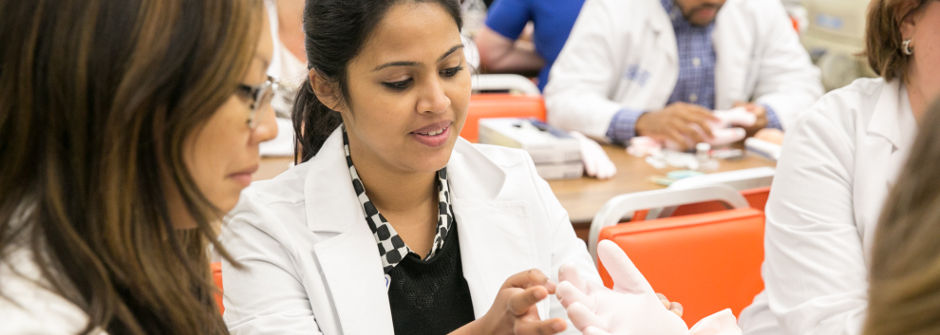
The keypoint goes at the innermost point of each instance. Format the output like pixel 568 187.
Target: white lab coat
pixel 834 174
pixel 28 306
pixel 311 263
pixel 624 54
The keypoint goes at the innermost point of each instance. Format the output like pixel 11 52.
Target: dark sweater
pixel 430 297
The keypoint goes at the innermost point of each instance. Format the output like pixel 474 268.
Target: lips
pixel 433 135
pixel 243 177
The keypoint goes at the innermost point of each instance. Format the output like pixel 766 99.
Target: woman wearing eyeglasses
pixel 127 129
pixel 391 223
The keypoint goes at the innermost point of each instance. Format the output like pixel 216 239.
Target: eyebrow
pixel 445 55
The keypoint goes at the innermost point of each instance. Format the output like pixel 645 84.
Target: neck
pixel 916 96
pixel 394 191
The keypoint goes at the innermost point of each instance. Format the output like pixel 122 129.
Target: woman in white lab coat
pixel 837 166
pixel 339 244
pixel 623 54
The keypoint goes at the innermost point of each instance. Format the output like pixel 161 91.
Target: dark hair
pixel 335 32
pixel 883 36
pixel 904 290
pixel 98 99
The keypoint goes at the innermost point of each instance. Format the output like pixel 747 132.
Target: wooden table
pixel 582 197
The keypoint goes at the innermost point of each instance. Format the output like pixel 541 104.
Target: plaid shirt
pixel 696 82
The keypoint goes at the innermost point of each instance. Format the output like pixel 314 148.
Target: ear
pixel 909 19
pixel 326 91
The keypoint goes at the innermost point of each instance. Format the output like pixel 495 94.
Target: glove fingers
pixel 582 317
pixel 568 294
pixel 627 278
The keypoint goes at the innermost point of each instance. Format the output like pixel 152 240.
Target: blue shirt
pixel 553 20
pixel 696 82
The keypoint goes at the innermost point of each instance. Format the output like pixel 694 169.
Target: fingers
pixel 538 327
pixel 627 278
pixel 568 294
pixel 570 274
pixel 529 278
pixel 702 118
pixel 676 308
pixel 582 317
pixel 522 302
pixel 672 306
pixel 663 300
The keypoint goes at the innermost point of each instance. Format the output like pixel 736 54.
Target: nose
pixel 433 98
pixel 267 125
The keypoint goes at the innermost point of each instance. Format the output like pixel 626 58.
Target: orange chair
pixel 500 105
pixel 217 276
pixel 706 262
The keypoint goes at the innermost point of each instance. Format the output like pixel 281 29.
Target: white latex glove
pixel 738 116
pixel 631 307
pixel 596 162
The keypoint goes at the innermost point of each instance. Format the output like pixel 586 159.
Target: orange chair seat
pixel 706 262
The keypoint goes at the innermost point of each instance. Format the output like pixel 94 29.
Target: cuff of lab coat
pixel 623 125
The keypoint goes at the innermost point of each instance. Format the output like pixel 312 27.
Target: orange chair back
pixel 706 262
pixel 756 198
pixel 217 277
pixel 493 105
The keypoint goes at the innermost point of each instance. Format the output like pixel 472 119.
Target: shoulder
pixel 27 304
pixel 848 107
pixel 279 200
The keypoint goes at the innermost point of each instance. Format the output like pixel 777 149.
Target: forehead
pixel 411 31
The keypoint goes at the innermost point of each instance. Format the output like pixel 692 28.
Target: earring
pixel 906 47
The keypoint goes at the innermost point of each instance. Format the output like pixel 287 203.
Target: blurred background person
pixel 659 68
pixel 904 293
pixel 525 36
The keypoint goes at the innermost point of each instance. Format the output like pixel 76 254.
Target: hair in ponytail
pixel 334 33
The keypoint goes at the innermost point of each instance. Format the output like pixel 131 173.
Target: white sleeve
pixel 814 269
pixel 266 295
pixel 788 82
pixel 576 97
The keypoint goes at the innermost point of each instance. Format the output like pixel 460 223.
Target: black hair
pixel 334 33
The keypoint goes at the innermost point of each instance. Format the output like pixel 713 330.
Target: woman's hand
pixel 514 311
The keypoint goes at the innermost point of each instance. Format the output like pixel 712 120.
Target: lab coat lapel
pixel 481 216
pixel 347 256
pixel 733 57
pixel 887 142
pixel 661 26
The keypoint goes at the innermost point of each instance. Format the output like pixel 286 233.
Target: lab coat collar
pixel 893 118
pixel 660 24
pixel 478 176
pixel 332 207
pixel 329 186
pixel 491 228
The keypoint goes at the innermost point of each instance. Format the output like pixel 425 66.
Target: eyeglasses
pixel 260 96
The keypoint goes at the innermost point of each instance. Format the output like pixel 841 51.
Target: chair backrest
pixel 706 262
pixel 510 83
pixel 499 105
pixel 217 277
pixel 754 185
pixel 625 205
